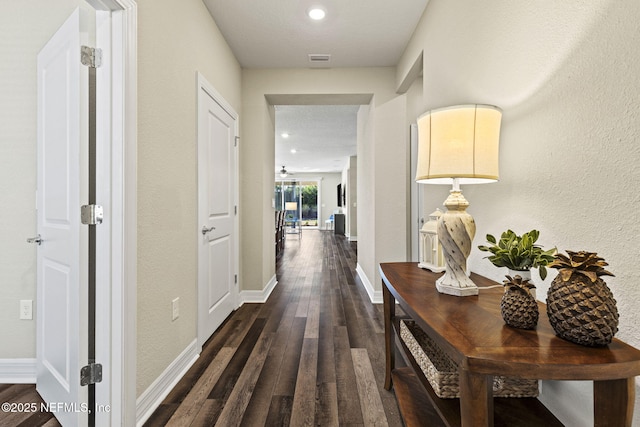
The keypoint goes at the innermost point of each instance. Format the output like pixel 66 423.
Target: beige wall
pixel 566 76
pixel 387 146
pixel 391 168
pixel 350 209
pixel 175 40
pixel 25 27
pixel 366 214
pixel 329 200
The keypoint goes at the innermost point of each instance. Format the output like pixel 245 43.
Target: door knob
pixel 205 230
pixel 37 239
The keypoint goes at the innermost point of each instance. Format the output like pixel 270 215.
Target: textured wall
pixel 175 40
pixel 566 76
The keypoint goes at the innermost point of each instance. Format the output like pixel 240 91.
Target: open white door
pixel 217 226
pixel 418 216
pixel 62 247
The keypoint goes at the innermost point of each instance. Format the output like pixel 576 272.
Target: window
pixel 304 194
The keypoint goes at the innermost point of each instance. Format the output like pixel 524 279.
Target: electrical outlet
pixel 175 308
pixel 26 309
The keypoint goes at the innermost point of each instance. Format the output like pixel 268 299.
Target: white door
pixel 62 253
pixel 217 225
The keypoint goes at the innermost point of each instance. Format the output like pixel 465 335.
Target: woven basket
pixel 442 372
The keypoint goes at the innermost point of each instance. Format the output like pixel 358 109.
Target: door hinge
pixel 236 279
pixel 91 56
pixel 91 214
pixel 237 140
pixel 91 374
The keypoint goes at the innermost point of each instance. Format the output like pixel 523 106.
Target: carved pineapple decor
pixel 518 307
pixel 580 305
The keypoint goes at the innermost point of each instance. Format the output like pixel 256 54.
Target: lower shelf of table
pixel 421 407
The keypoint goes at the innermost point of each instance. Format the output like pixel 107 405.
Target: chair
pixel 280 230
pixel 294 226
pixel 328 224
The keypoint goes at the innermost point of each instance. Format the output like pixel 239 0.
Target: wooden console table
pixel 471 331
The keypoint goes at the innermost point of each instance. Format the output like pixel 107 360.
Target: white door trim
pixel 417 215
pixel 116 32
pixel 203 84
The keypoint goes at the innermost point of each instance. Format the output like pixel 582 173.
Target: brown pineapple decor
pixel 580 305
pixel 518 307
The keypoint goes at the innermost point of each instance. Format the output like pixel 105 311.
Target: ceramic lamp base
pixel 456 230
pixel 458 289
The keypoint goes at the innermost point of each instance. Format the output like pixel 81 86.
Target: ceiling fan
pixel 284 173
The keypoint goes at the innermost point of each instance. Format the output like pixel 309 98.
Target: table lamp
pixel 291 206
pixel 458 145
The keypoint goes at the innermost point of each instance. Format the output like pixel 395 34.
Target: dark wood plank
pixel 370 401
pixel 161 416
pixel 228 379
pixel 24 394
pixel 349 409
pixel 38 419
pixel 326 411
pixel 304 400
pixel 614 401
pixel 209 412
pixel 412 398
pixel 262 396
pixel 291 359
pixel 416 410
pixel 280 411
pixel 304 333
pixel 233 329
pixel 187 411
pixel 476 399
pixel 235 406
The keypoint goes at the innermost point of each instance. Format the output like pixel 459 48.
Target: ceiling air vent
pixel 319 57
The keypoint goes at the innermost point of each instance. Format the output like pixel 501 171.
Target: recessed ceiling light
pixel 285 135
pixel 317 13
pixel 293 151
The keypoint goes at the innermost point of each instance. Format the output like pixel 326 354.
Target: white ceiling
pixel 323 137
pixel 279 34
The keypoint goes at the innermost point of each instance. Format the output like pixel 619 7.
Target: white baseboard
pixel 374 296
pixel 259 296
pixel 18 371
pixel 152 397
pixel 353 238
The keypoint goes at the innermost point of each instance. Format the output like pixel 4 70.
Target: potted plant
pixel 519 253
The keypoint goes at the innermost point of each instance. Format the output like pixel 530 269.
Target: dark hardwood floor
pixel 22 414
pixel 313 354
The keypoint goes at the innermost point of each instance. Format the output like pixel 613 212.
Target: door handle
pixel 37 239
pixel 205 230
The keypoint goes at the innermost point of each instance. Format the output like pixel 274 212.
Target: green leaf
pixel 543 272
pixel 518 252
